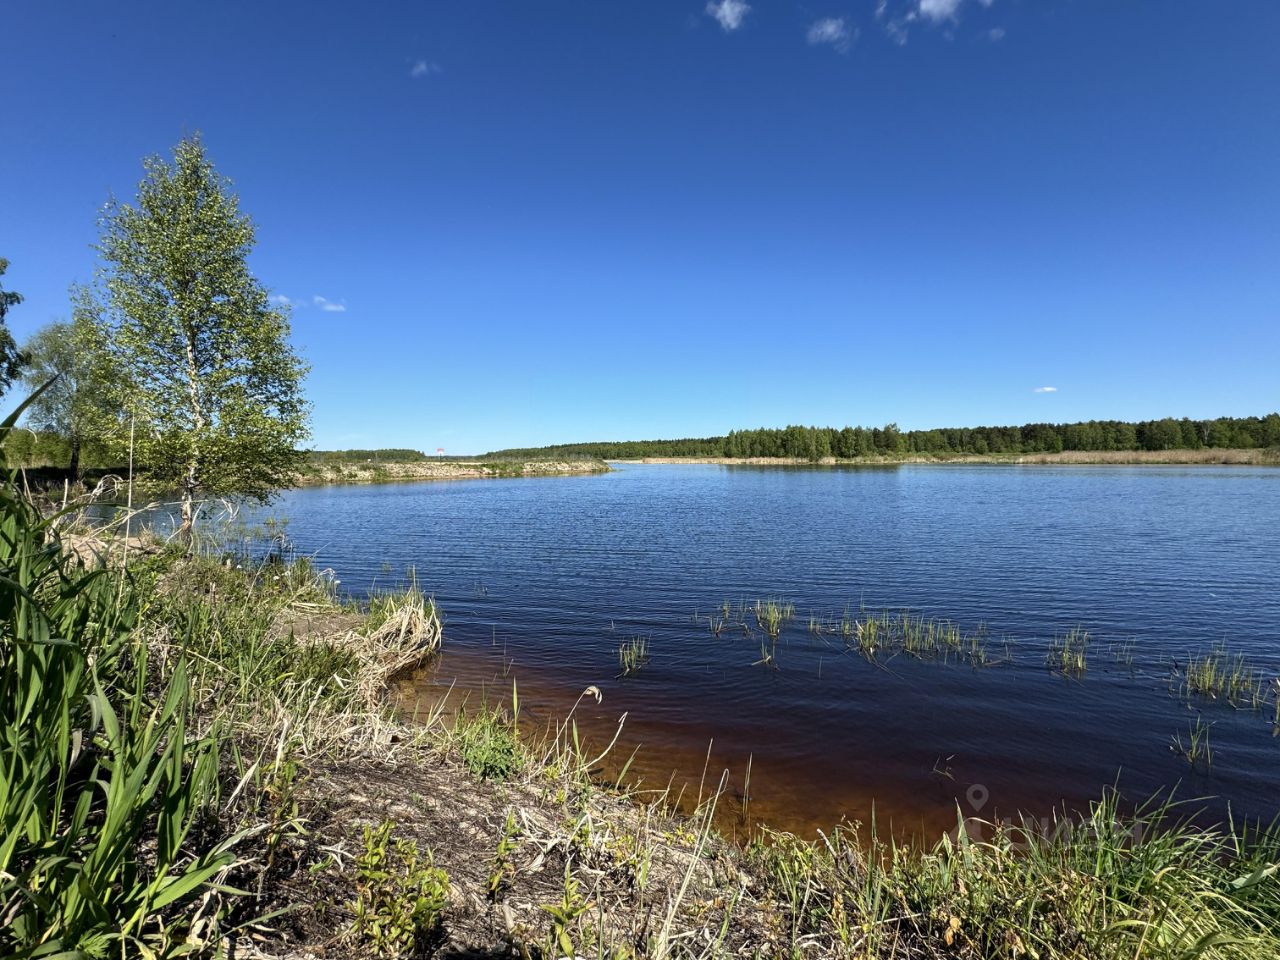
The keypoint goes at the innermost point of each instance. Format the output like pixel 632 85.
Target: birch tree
pixel 207 369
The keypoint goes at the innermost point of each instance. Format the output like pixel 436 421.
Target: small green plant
pixel 503 869
pixel 1196 750
pixel 400 895
pixel 632 655
pixel 1069 654
pixel 768 655
pixel 489 745
pixel 565 918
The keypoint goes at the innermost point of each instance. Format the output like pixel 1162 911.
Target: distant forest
pixel 815 443
pixel 37 449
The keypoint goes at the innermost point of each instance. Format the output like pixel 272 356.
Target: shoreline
pixel 535 846
pixel 343 474
pixel 1212 456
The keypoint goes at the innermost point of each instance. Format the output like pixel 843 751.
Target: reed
pixel 632 655
pixel 1069 654
pixel 1196 750
pixel 924 638
pixel 106 785
pixel 772 615
pixel 1122 653
pixel 768 655
pixel 1222 675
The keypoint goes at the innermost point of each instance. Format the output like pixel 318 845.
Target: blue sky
pixel 540 222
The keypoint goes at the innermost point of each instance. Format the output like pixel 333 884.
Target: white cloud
pixel 423 68
pixel 995 34
pixel 833 31
pixel 898 16
pixel 938 10
pixel 281 299
pixel 728 13
pixel 1045 390
pixel 329 306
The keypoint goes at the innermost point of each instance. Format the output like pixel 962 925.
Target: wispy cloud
pixel 995 34
pixel 832 31
pixel 329 306
pixel 424 68
pixel 1045 390
pixel 728 13
pixel 938 10
pixel 323 303
pixel 899 16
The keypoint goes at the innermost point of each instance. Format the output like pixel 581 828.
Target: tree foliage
pixel 80 406
pixel 205 360
pixel 11 358
pixel 849 443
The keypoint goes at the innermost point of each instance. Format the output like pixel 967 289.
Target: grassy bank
pixel 383 471
pixel 200 758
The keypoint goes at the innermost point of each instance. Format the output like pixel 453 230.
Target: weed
pixel 400 895
pixel 503 869
pixel 1069 654
pixel 772 615
pixel 565 918
pixel 489 745
pixel 1220 674
pixel 632 655
pixel 1196 750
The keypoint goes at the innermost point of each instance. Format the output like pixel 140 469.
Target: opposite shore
pixel 396 471
pixel 1207 455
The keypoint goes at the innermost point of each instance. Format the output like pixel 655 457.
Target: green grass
pixel 1069 654
pixel 1221 675
pixel 104 783
pixel 632 655
pixel 772 615
pixel 1196 749
pixel 1104 886
pixel 488 741
pixel 924 638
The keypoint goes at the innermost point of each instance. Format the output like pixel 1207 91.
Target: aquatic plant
pixel 1123 653
pixel 771 615
pixel 768 655
pixel 1196 750
pixel 1219 674
pixel 1069 654
pixel 632 655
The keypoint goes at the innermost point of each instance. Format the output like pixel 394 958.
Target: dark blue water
pixel 552 574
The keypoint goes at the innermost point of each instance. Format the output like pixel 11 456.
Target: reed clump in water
pixel 1196 749
pixel 924 638
pixel 1222 675
pixel 632 655
pixel 1069 654
pixel 772 615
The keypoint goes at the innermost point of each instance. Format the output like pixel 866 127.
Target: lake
pixel 541 580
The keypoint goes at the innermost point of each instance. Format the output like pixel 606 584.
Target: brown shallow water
pixel 913 778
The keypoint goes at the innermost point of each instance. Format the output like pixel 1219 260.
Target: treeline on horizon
pixel 848 443
pixel 30 448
